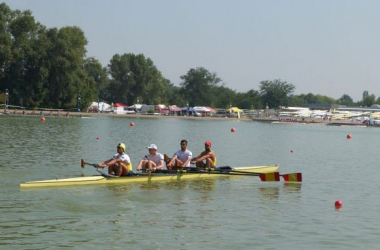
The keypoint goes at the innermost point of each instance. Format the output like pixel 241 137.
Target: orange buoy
pixel 43 119
pixel 131 124
pixel 338 204
pixel 349 136
pixel 233 130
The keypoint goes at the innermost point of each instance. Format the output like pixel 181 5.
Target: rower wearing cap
pixel 152 161
pixel 120 164
pixel 206 159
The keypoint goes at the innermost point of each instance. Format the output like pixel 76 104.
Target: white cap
pixel 152 146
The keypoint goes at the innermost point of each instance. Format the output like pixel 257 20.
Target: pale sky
pixel 327 47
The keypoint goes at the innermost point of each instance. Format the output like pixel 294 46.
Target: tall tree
pixel 369 100
pixel 67 80
pixel 198 84
pixel 97 79
pixel 345 100
pixel 133 77
pixel 276 93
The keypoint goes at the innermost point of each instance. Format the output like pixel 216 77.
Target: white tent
pixel 101 106
pixel 201 109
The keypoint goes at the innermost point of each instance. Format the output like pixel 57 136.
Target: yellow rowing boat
pixel 180 175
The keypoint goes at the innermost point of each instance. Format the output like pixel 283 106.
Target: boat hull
pixel 90 180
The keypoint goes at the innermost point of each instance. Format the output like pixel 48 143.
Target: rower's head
pixel 152 148
pixel 183 144
pixel 207 145
pixel 121 146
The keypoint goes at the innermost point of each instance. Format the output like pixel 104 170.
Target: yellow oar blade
pixel 270 176
pixel 293 177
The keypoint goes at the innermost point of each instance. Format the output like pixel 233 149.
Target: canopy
pixel 191 109
pixel 135 106
pixel 172 108
pixel 211 110
pixel 120 105
pixel 100 105
pixel 235 109
pixel 201 109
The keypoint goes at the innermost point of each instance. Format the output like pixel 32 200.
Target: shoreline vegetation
pixel 274 120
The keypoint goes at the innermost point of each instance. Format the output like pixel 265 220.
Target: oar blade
pixel 293 177
pixel 82 163
pixel 270 176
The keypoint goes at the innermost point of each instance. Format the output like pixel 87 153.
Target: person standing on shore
pixel 206 159
pixel 151 162
pixel 120 164
pixel 181 158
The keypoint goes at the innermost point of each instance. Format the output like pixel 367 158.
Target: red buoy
pixel 233 130
pixel 42 119
pixel 349 136
pixel 291 151
pixel 98 138
pixel 338 204
pixel 131 124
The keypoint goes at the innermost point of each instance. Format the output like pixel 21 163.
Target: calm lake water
pixel 219 213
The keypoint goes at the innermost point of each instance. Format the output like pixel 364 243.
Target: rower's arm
pixel 208 155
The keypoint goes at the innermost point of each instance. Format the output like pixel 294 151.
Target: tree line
pixel 44 67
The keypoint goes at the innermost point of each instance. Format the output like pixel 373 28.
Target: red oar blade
pixel 294 177
pixel 82 163
pixel 270 176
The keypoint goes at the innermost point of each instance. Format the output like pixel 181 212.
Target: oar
pixel 292 177
pixel 83 163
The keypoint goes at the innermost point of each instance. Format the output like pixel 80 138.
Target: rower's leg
pixel 171 163
pixel 111 169
pixel 200 164
pixel 122 170
pixel 151 165
pixel 209 163
pixel 178 164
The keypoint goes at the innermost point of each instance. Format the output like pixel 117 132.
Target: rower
pixel 120 164
pixel 151 162
pixel 181 158
pixel 206 159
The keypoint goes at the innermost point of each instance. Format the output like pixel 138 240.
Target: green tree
pixel 174 95
pixel 369 100
pixel 21 54
pixel 275 93
pixel 248 100
pixel 134 76
pixel 97 79
pixel 222 97
pixel 198 84
pixel 365 94
pixel 65 59
pixel 345 100
pixel 297 101
pixel 6 17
